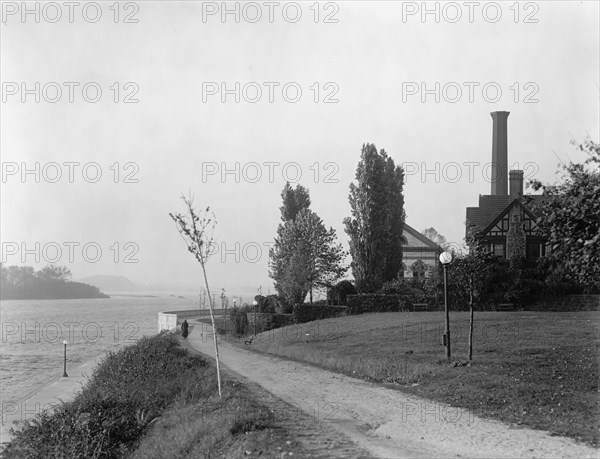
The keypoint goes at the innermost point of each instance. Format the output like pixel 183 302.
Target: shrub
pixel 337 295
pixel 262 303
pixel 307 313
pixel 403 287
pixel 283 320
pixel 264 321
pixel 272 304
pixel 239 320
pixel 373 302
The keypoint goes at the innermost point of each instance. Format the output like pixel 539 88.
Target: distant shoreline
pixel 103 296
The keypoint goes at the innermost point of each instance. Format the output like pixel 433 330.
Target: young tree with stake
pixel 197 232
pixel 472 272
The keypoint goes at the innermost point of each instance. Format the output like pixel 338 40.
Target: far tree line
pixel 50 282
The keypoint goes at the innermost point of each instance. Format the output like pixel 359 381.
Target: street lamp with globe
pixel 446 259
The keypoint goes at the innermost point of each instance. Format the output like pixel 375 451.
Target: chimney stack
pixel 500 154
pixel 516 183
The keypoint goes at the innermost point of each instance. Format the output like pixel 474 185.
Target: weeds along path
pixel 385 422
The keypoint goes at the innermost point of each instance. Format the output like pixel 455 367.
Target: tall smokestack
pixel 500 154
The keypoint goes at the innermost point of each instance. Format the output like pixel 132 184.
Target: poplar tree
pixel 375 228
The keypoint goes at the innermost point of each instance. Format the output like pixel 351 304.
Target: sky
pixel 110 111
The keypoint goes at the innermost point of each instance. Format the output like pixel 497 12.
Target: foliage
pixel 375 302
pixel 570 218
pixel 51 282
pixel 240 320
pixel 305 255
pixel 307 312
pixel 432 234
pixel 261 303
pixel 408 287
pixel 375 228
pixel 197 233
pixel 294 200
pixel 273 304
pixel 472 272
pixel 283 320
pixel 337 295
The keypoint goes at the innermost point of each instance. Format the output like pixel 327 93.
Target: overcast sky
pixel 361 69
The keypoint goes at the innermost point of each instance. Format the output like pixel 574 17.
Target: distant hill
pixel 109 283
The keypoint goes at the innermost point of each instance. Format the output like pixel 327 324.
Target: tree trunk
pixel 212 319
pixel 311 294
pixel 471 327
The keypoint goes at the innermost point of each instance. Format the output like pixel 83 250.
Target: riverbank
pixel 157 400
pixel 46 397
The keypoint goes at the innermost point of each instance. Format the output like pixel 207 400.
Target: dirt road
pixel 385 422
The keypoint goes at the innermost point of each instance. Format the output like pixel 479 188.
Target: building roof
pixel 425 240
pixel 490 207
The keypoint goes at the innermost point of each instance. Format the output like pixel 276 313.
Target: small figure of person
pixel 184 329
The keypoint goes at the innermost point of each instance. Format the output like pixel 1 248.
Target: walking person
pixel 184 329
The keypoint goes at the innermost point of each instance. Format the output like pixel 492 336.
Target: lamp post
pixel 65 361
pixel 446 259
pixel 255 303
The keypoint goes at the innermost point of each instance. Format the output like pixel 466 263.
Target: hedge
pixel 268 321
pixel 283 320
pixel 307 313
pixel 374 302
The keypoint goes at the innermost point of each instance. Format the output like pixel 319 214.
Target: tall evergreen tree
pixel 377 221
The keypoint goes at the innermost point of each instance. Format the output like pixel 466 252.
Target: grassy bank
pixel 155 400
pixel 534 369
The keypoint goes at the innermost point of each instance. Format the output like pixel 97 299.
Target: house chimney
pixel 499 154
pixel 516 183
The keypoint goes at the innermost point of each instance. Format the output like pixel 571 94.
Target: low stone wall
pixel 169 320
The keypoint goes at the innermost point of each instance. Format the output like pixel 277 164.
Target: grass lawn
pixel 538 370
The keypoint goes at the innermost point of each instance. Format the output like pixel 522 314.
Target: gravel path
pixel 385 422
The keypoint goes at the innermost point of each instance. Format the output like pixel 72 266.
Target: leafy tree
pixel 375 228
pixel 570 217
pixel 294 200
pixel 317 246
pixel 433 235
pixel 197 232
pixel 305 255
pixel 471 273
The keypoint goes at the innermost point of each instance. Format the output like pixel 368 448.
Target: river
pixel 33 331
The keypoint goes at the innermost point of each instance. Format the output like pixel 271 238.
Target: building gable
pixel 500 225
pixel 415 239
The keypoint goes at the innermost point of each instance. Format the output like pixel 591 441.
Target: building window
pixel 499 250
pixel 533 250
pixel 401 272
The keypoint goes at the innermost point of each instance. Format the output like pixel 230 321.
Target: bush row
pixel 307 313
pixel 375 302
